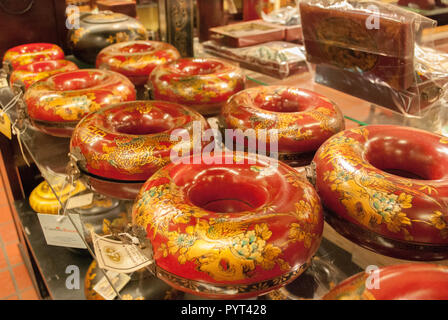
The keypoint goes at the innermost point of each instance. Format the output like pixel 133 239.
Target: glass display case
pixel 336 259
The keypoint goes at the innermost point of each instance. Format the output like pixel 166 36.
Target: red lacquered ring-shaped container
pixel 232 225
pixel 303 120
pixel 414 281
pixel 136 59
pixel 28 74
pixel 32 52
pixel 56 104
pixel 386 188
pixel 204 84
pixel 128 142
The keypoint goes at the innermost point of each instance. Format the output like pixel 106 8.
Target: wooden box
pixel 127 7
pixel 249 33
pixel 340 37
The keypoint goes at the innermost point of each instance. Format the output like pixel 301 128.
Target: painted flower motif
pixel 405 200
pixel 180 243
pixel 122 37
pixel 293 179
pixel 262 230
pixel 164 249
pixel 396 222
pixel 269 256
pixel 438 220
pixel 76 35
pixel 111 39
pixel 284 265
pixel 249 246
pixel 337 178
pixel 390 204
pixel 297 233
pixel 305 212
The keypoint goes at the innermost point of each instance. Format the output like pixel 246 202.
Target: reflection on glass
pixel 148 15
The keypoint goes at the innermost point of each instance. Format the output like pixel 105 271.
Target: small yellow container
pixel 43 200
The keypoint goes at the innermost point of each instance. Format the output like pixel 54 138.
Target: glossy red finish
pixel 304 119
pixel 390 181
pixel 136 59
pixel 130 141
pixel 32 52
pixel 399 282
pixel 40 70
pixel 125 190
pixel 63 99
pixel 204 84
pixel 230 226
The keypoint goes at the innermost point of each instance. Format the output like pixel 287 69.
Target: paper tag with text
pixel 116 256
pixel 79 201
pixel 119 281
pixel 5 125
pixel 60 231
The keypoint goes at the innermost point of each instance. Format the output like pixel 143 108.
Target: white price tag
pixel 116 256
pixel 59 230
pixel 79 201
pixel 119 281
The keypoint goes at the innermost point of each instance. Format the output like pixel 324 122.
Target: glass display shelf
pixel 52 261
pixel 50 155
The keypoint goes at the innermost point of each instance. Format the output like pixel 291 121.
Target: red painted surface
pixel 40 70
pixel 31 52
pixel 304 119
pixel 136 59
pixel 204 84
pixel 390 180
pixel 230 227
pixel 399 282
pixel 68 96
pixel 130 141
